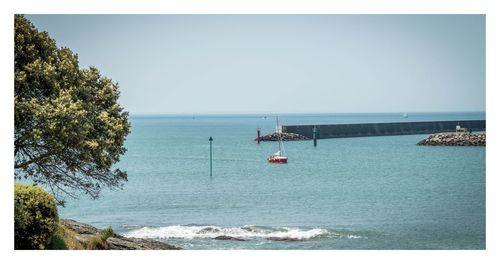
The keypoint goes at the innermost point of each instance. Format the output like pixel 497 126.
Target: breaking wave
pixel 245 232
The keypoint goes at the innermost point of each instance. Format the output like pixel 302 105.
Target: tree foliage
pixel 69 127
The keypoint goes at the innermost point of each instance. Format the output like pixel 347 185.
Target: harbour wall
pixel 383 129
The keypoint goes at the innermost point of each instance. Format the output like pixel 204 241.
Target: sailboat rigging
pixel 278 157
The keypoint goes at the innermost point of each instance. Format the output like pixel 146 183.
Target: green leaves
pixel 35 217
pixel 69 127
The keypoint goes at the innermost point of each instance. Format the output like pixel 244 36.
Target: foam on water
pixel 245 232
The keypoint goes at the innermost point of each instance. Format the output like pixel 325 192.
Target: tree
pixel 69 128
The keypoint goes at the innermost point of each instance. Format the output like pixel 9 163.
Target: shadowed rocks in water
pixel 208 230
pixel 284 239
pixel 228 238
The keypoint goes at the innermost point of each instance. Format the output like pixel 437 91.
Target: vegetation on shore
pixel 65 238
pixel 37 226
pixel 35 217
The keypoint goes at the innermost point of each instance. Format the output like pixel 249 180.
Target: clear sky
pixel 282 63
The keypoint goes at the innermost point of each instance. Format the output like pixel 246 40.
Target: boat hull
pixel 277 159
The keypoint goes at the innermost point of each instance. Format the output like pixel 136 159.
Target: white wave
pixel 246 232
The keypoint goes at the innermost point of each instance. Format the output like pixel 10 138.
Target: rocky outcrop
pixel 228 238
pixel 455 139
pixel 207 230
pixel 288 239
pixel 284 137
pixel 79 228
pixel 119 242
pixel 84 233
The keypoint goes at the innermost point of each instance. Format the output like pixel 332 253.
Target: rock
pixel 123 243
pixel 79 228
pixel 208 230
pixel 284 239
pixel 228 238
pixel 455 139
pixel 284 136
pixel 84 232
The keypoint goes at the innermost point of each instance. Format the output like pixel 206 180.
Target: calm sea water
pixel 347 193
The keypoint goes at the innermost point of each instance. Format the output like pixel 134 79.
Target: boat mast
pixel 279 135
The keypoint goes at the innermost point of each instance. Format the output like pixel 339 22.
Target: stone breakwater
pixel 284 137
pixel 383 129
pixel 455 139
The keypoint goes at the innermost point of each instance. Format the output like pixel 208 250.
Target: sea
pixel 381 192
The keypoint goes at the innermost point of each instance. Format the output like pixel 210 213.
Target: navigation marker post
pixel 210 140
pixel 314 136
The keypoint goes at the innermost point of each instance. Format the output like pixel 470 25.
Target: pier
pixel 383 129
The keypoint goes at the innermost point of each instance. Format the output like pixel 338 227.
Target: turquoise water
pixel 347 193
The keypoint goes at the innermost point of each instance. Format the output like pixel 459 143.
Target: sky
pixel 224 64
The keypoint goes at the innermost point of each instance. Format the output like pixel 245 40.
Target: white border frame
pixel 11 7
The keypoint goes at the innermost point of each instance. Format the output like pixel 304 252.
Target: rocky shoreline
pixel 455 139
pixel 84 233
pixel 284 136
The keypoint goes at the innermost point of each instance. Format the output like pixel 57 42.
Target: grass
pixel 96 242
pixel 99 241
pixel 66 239
pixel 107 232
pixel 57 241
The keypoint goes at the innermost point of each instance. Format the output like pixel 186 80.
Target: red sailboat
pixel 278 157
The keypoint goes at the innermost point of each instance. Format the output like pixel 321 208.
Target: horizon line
pixel 289 113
